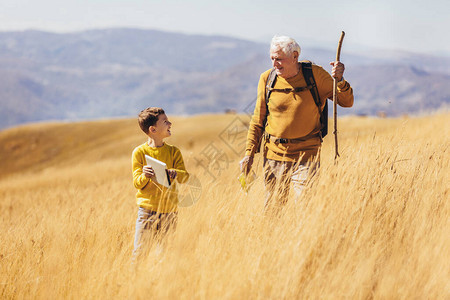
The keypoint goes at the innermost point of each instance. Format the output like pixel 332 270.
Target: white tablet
pixel 160 168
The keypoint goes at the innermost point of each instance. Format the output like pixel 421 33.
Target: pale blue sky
pixel 418 26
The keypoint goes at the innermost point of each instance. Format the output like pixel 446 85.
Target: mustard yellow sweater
pixel 151 195
pixel 293 115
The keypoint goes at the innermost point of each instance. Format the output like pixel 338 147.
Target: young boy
pixel 158 205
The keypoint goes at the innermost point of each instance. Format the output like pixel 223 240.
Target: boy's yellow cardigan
pixel 151 195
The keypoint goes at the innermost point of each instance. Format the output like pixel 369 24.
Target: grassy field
pixel 373 225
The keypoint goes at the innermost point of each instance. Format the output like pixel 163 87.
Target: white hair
pixel 287 44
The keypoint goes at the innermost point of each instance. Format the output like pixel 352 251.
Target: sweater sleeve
pixel 137 161
pixel 178 165
pixel 325 87
pixel 256 127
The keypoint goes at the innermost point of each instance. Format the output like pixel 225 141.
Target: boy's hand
pixel 172 173
pixel 148 171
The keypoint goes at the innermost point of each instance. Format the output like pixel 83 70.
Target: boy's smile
pixel 163 126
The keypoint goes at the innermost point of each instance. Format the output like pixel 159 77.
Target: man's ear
pixel 295 55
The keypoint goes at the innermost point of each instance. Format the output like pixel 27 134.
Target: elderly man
pixel 288 122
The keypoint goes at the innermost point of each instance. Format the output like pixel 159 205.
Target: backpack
pixel 306 67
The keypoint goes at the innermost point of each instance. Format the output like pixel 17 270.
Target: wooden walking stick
pixel 338 54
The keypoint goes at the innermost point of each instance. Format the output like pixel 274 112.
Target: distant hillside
pixel 34 147
pixel 117 72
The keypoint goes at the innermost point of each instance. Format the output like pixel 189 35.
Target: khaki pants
pixel 151 227
pixel 280 175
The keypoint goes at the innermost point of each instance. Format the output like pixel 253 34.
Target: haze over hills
pixel 117 72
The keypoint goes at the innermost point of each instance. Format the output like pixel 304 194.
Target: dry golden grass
pixel 373 225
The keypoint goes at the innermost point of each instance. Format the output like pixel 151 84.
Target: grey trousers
pixel 151 227
pixel 279 176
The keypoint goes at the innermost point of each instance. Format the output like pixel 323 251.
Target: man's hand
pixel 172 173
pixel 338 70
pixel 148 171
pixel 246 164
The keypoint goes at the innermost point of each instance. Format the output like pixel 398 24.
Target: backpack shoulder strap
pixel 270 83
pixel 310 81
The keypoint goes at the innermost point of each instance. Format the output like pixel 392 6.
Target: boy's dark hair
pixel 148 117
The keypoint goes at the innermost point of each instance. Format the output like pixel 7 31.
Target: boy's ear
pixel 152 129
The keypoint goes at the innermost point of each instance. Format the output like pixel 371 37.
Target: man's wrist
pixel 249 153
pixel 341 83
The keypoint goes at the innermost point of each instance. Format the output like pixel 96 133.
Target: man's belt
pixel 287 141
